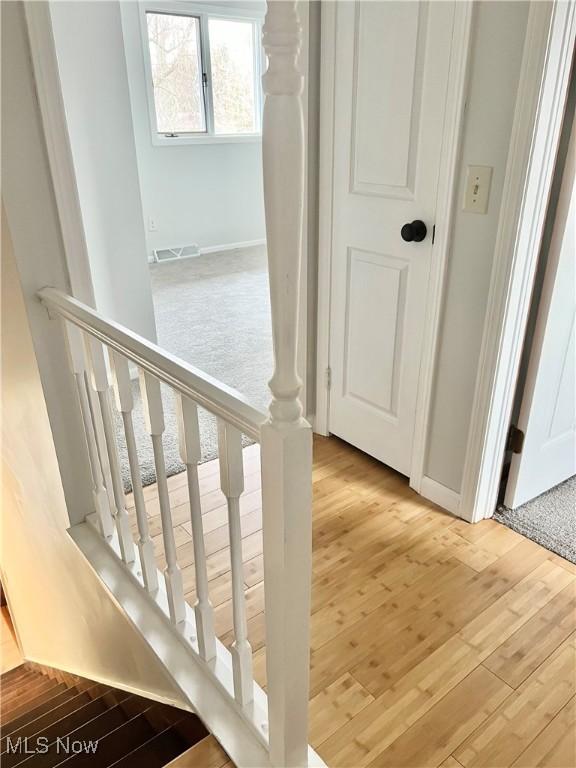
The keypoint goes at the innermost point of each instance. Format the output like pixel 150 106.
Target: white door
pixel 548 411
pixel 391 75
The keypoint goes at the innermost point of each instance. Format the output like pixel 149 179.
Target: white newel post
pixel 286 436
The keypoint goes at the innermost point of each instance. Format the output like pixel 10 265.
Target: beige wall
pixel 63 616
pixel 496 56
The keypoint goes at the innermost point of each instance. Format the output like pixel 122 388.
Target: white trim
pixel 207 250
pixel 185 8
pixel 536 131
pixel 449 163
pixel 440 494
pixel 325 202
pixel 49 92
pixel 302 351
pixel 232 246
pixel 160 140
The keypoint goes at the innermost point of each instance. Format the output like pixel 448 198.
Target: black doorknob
pixel 416 231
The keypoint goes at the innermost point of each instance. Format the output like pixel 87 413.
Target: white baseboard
pixel 231 246
pixel 441 495
pixel 211 249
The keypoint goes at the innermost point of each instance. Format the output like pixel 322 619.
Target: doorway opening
pixel 538 487
pixel 164 107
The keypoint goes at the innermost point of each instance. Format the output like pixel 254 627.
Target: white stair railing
pixel 276 725
pixel 103 350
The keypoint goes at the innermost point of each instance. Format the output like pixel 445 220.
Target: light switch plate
pixel 477 189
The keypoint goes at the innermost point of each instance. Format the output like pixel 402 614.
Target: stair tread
pixel 16 712
pixel 28 692
pixel 10 684
pixel 60 728
pixel 63 717
pixel 155 752
pixel 130 730
pixel 97 728
pixel 114 745
pixel 205 754
pixel 14 673
pixel 33 714
pixel 25 684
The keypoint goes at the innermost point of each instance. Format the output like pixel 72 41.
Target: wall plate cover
pixel 477 188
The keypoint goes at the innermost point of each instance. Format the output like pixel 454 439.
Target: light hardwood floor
pixel 434 643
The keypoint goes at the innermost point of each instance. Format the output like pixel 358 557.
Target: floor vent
pixel 170 254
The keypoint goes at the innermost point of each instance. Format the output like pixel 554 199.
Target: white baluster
pixel 98 427
pixel 154 415
pixel 78 367
pixel 100 383
pixel 286 437
pixel 232 484
pixel 190 452
pixel 125 404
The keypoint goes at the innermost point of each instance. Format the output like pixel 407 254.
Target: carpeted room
pixel 213 311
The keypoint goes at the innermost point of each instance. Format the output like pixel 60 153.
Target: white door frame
pixel 49 92
pixel 537 126
pixel 536 130
pixel 450 153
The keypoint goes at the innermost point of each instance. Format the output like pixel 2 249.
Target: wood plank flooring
pixel 434 643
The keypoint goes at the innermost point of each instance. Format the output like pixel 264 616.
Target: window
pixel 204 76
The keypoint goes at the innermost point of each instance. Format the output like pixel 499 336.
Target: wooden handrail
pixel 209 393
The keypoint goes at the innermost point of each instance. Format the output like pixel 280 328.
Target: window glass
pixel 176 73
pixel 233 76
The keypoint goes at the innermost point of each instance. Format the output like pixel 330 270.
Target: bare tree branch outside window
pixel 176 73
pixel 232 60
pixel 174 45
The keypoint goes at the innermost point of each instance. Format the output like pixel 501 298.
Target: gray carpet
pixel 214 312
pixel 549 519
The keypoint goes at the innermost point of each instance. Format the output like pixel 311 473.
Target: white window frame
pixel 203 14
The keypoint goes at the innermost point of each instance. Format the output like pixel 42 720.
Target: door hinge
pixel 328 375
pixel 433 234
pixel 515 441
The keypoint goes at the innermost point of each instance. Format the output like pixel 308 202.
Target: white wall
pixel 498 41
pixel 62 614
pixel 92 66
pixel 207 194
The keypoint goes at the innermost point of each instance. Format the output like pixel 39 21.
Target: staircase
pixel 49 718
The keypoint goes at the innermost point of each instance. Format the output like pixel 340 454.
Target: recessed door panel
pixel 387 92
pixel 376 300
